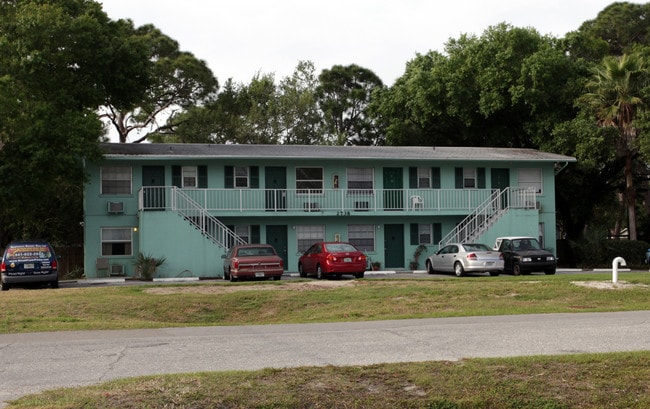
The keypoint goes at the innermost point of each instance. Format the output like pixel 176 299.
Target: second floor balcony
pixel 328 201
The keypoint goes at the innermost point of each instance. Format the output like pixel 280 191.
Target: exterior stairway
pixel 488 213
pixel 211 227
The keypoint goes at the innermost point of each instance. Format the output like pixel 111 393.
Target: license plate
pixel 259 274
pixel 347 260
pixel 28 265
pixel 489 263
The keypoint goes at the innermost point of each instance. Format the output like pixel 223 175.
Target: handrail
pixel 199 217
pixel 477 222
pixel 322 200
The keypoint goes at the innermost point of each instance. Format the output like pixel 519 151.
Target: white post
pixel 615 264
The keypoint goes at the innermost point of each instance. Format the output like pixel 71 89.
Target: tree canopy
pixel 59 60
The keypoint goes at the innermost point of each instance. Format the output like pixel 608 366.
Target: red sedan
pixel 332 258
pixel 252 261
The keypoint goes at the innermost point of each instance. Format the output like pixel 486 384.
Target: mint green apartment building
pixel 190 202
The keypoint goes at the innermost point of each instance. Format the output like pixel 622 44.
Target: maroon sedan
pixel 332 258
pixel 252 261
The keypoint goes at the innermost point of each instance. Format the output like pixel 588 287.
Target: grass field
pixel 568 381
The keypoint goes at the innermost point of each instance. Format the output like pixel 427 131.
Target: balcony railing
pixel 328 200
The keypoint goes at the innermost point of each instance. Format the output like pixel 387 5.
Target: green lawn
pixel 304 301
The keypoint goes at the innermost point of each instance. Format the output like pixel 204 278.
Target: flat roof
pixel 439 153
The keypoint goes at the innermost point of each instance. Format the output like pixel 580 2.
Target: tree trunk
pixel 630 195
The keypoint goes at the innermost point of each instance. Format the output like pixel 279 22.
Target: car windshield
pixel 476 247
pixel 525 244
pixel 339 247
pixel 27 252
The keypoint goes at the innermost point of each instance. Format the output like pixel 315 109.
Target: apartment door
pixel 500 179
pixel 394 245
pixel 153 182
pixel 275 178
pixel 393 185
pixel 276 235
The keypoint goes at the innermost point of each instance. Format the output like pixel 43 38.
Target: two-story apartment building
pixel 190 202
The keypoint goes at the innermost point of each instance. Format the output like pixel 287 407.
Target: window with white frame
pixel 241 174
pixel 308 235
pixel 244 232
pixel 309 180
pixel 117 241
pixel 424 178
pixel 360 180
pixel 189 176
pixel 425 234
pixel 530 178
pixel 115 180
pixel 362 236
pixel 469 178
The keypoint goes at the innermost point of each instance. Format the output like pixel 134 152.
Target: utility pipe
pixel 615 264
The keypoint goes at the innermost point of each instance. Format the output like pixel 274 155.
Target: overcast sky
pixel 239 38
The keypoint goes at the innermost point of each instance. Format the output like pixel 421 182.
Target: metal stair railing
pixel 207 224
pixel 477 222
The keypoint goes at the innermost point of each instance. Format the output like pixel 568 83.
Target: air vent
pixel 117 270
pixel 115 207
pixel 361 206
pixel 311 207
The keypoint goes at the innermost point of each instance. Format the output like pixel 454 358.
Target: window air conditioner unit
pixel 115 207
pixel 311 207
pixel 117 270
pixel 361 206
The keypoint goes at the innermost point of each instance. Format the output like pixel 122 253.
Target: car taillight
pixel 54 265
pixel 362 258
pixel 471 256
pixel 235 264
pixel 331 257
pixel 3 266
pixel 281 263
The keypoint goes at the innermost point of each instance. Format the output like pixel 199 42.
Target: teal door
pixel 276 235
pixel 393 185
pixel 153 193
pixel 275 179
pixel 394 245
pixel 500 179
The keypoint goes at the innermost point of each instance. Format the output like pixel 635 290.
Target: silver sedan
pixel 460 258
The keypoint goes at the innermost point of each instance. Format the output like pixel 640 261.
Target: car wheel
pixel 276 278
pixel 226 275
pixel 494 273
pixel 54 284
pixel 516 269
pixel 5 286
pixel 301 272
pixel 429 267
pixel 359 275
pixel 550 272
pixel 319 272
pixel 459 270
pixel 232 277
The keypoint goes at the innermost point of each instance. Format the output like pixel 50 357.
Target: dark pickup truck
pixel 524 255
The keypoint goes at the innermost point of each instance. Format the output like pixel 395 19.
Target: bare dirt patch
pixel 229 288
pixel 608 285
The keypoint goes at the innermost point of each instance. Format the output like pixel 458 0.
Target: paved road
pixel 38 361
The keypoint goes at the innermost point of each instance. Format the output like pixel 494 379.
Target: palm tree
pixel 614 93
